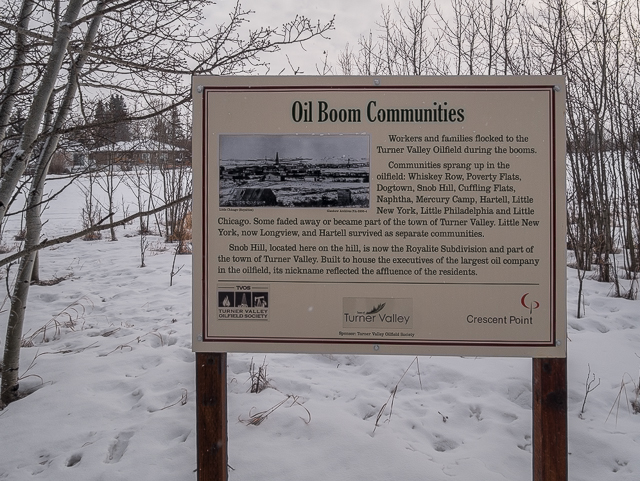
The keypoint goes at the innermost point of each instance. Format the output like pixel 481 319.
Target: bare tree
pixel 595 44
pixel 18 162
pixel 143 49
pixel 404 44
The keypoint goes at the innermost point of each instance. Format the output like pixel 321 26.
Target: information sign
pixel 404 215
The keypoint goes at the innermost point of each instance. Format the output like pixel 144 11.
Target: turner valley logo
pixel 377 313
pixel 243 303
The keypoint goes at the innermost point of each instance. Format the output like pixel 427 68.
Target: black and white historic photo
pixel 295 170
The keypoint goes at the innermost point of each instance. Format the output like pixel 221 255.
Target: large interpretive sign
pixel 413 215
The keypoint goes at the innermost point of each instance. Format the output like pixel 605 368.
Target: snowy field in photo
pixel 112 396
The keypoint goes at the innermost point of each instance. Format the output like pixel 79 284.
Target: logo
pixel 377 313
pixel 377 309
pixel 532 304
pixel 243 303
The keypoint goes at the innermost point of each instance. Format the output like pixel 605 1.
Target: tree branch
pixel 96 228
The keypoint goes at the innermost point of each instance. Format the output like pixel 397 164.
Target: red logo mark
pixel 533 305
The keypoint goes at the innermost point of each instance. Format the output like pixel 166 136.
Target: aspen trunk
pixel 33 221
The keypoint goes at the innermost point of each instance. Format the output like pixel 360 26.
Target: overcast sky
pixel 352 18
pixel 247 147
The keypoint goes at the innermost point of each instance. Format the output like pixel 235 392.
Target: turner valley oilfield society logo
pixel 377 313
pixel 243 303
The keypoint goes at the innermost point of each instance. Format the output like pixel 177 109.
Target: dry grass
pixel 68 318
pixel 55 280
pixel 632 404
pixel 183 231
pixel 392 396
pixel 255 419
pixel 258 377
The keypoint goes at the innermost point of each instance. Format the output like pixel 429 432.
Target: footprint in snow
pixel 118 447
pixel 74 459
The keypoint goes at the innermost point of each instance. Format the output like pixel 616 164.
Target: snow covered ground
pixel 112 375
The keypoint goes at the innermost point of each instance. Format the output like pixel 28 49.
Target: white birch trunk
pixel 33 221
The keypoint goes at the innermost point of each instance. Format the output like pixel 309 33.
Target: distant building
pixel 273 177
pixel 128 153
pixel 69 157
pixel 253 197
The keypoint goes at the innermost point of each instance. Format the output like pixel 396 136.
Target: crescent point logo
pixel 531 306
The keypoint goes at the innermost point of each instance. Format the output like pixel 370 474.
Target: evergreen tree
pixel 112 124
pixel 119 114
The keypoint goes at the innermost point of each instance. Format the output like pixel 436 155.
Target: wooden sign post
pixel 550 436
pixel 211 416
pixel 380 215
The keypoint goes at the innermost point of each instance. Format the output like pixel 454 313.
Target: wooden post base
pixel 211 416
pixel 550 440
